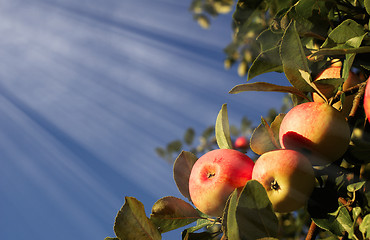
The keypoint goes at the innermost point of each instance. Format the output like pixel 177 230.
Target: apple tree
pixel 322 131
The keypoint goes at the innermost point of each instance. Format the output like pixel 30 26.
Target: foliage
pixel 300 38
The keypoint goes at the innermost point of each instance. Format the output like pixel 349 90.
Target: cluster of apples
pixel 311 134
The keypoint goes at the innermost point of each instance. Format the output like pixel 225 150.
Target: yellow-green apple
pixel 241 143
pixel 288 178
pixel 317 129
pixel 215 175
pixel 367 100
pixel 328 90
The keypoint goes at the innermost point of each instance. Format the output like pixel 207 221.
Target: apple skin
pixel 328 90
pixel 367 100
pixel 288 178
pixel 241 143
pixel 316 129
pixel 215 175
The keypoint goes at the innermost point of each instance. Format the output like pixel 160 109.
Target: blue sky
pixel 88 90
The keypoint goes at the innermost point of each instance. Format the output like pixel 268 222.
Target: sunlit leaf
pixel 365 226
pixel 109 238
pixel 181 171
pixel 355 186
pixel 170 213
pixel 232 225
pixel 222 129
pixel 367 6
pixel 132 222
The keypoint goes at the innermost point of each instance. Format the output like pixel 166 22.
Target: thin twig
pixel 312 231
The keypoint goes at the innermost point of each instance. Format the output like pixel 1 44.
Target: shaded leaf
pixel 345 31
pixel 264 138
pixel 341 51
pixel 196 236
pixel 174 146
pixel 222 129
pixel 254 213
pixel 132 222
pixel 109 238
pixel 269 39
pixel 267 61
pixel 170 213
pixel 265 87
pixel 189 136
pixel 337 223
pixel 181 171
pixel 294 59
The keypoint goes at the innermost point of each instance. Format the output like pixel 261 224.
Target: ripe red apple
pixel 317 129
pixel 215 175
pixel 241 143
pixel 288 178
pixel 367 100
pixel 328 90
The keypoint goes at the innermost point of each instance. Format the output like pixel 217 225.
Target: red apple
pixel 317 129
pixel 367 100
pixel 288 178
pixel 328 90
pixel 215 175
pixel 241 143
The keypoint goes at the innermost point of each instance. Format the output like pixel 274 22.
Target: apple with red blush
pixel 215 175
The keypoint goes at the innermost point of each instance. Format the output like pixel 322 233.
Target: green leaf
pixel 294 59
pixel 365 226
pixel 337 223
pixel 265 138
pixel 367 6
pixel 174 146
pixel 232 225
pixel 340 51
pixel 265 87
pixel 189 136
pixel 345 31
pixel 269 39
pixel 132 223
pixel 254 213
pixel 266 61
pixel 181 171
pixel 355 186
pixel 201 223
pixel 222 129
pixel 170 213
